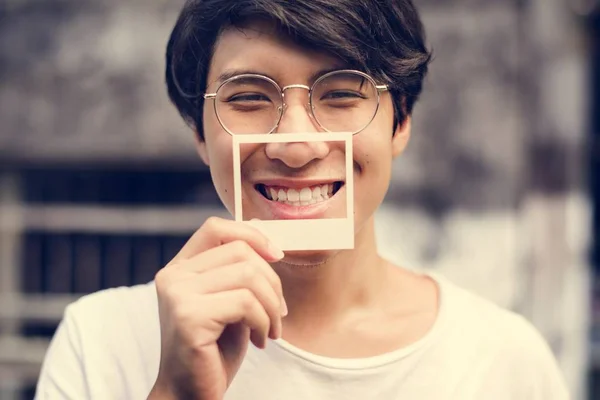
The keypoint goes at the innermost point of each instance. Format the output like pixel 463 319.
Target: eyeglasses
pixel 339 101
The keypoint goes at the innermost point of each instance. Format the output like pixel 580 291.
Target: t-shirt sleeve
pixel 535 368
pixel 517 364
pixel 62 374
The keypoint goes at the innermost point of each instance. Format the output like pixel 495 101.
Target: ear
pixel 201 149
pixel 401 137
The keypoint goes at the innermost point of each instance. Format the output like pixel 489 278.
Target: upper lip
pixel 297 183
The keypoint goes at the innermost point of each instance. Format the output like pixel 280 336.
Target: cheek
pixel 219 149
pixel 222 177
pixel 373 155
pixel 374 159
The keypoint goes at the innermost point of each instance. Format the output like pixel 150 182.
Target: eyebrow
pixel 234 72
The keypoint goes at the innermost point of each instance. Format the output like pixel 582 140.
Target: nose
pixel 297 155
pixel 296 118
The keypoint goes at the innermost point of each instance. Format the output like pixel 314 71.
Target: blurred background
pixel 499 189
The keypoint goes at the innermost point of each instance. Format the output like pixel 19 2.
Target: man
pixel 323 324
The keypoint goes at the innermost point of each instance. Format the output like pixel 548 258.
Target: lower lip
pixel 312 211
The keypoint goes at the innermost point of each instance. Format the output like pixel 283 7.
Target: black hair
pixel 384 38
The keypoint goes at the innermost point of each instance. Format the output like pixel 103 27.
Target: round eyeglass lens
pixel 344 102
pixel 248 105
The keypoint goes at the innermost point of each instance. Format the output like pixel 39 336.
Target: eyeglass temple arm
pixel 382 88
pixel 209 96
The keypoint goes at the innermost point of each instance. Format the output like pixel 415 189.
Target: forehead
pixel 261 48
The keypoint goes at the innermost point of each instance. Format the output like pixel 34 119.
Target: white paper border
pixel 305 234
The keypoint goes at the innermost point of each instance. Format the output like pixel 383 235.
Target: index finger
pixel 218 231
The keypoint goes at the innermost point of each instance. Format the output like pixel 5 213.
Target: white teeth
pixel 325 191
pixel 282 195
pixel 302 197
pixel 293 195
pixel 305 194
pixel 316 192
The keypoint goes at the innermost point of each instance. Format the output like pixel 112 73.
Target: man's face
pixel 293 166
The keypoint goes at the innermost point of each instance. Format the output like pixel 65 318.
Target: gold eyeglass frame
pixel 282 108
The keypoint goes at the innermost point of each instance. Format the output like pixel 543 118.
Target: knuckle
pixel 265 322
pixel 265 243
pixel 278 285
pixel 275 281
pixel 182 313
pixel 198 345
pixel 246 300
pixel 171 294
pixel 162 279
pixel 241 248
pixel 159 277
pixel 212 223
pixel 278 280
pixel 248 272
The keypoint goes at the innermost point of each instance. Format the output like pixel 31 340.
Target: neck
pixel 324 291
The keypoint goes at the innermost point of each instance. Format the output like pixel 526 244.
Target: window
pixel 77 231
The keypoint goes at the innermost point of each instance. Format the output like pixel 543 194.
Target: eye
pixel 248 97
pixel 342 95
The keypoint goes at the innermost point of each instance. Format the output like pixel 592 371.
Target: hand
pixel 216 295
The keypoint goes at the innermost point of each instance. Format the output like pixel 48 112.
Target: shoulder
pixel 110 321
pixel 501 345
pixel 115 312
pixel 481 321
pixel 106 346
pixel 115 302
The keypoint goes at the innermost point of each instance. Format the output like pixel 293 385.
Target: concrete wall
pixel 488 193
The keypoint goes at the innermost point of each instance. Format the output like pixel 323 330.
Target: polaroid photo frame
pixel 301 234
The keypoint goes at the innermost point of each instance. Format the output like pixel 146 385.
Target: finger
pixel 241 275
pixel 232 253
pixel 217 231
pixel 242 306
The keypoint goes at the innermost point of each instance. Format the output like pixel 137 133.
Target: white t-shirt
pixel 108 347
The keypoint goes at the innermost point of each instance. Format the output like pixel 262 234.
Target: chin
pixel 308 258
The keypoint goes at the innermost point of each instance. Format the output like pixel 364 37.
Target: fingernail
pixel 275 251
pixel 284 309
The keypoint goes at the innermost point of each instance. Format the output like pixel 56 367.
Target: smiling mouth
pixel 300 196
